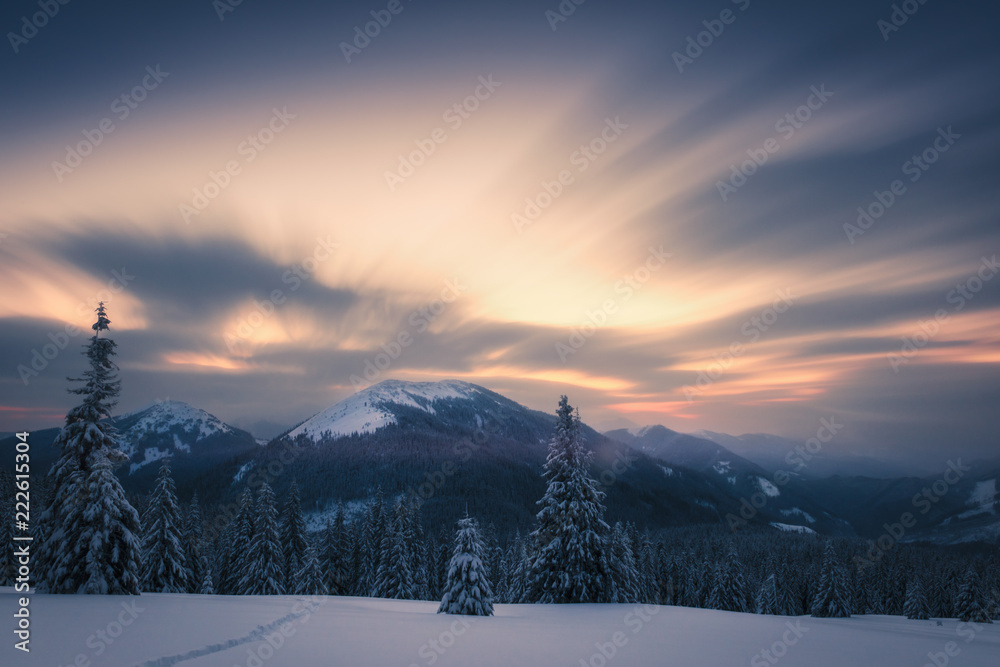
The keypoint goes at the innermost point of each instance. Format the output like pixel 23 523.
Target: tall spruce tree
pixel 969 601
pixel 568 564
pixel 729 591
pixel 916 607
pixel 467 590
pixel 235 547
pixel 263 574
pixel 309 579
pixel 164 561
pixel 194 546
pixel 832 599
pixel 767 597
pixel 335 559
pixel 622 567
pixel 375 526
pixel 293 535
pixel 91 532
pixel 395 578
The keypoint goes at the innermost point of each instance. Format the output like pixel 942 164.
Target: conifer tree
pixel 263 574
pixel 568 564
pixel 517 559
pixel 394 578
pixel 832 599
pixel 916 607
pixel 622 567
pixel 767 597
pixel 194 547
pixel 413 535
pixel 968 603
pixel 236 547
pixel 91 532
pixel 335 558
pixel 164 560
pixel 729 591
pixel 467 590
pixel 293 535
pixel 375 526
pixel 309 579
pixel 206 584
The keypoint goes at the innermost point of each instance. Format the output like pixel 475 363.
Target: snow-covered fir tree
pixel 832 599
pixel 395 578
pixel 916 607
pixel 263 565
pixel 729 591
pixel 375 525
pixel 622 569
pixel 969 606
pixel 236 547
pixel 293 534
pixel 335 558
pixel 567 560
pixel 517 559
pixel 194 539
pixel 309 579
pixel 467 590
pixel 206 584
pixel 414 535
pixel 767 597
pixel 163 557
pixel 91 532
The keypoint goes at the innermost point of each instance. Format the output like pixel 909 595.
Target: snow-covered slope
pixel 171 416
pixel 372 408
pixel 298 631
pixel 776 497
pixel 178 430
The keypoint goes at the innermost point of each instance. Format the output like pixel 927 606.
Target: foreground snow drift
pixel 301 631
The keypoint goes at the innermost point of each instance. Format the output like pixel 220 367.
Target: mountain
pixel 195 440
pixel 454 446
pixel 772 452
pixel 784 504
pixel 690 451
pixel 960 504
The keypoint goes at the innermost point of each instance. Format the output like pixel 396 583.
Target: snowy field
pixel 219 631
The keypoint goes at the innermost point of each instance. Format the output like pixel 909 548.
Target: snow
pixel 795 511
pixel 162 416
pixel 768 487
pixel 364 412
pixel 669 472
pixel 151 454
pixel 721 467
pixel 244 469
pixel 280 631
pixel 983 496
pixel 789 528
pixel 180 446
pixel 639 431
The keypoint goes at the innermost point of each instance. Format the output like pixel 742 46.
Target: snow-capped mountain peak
pixel 367 410
pixel 165 416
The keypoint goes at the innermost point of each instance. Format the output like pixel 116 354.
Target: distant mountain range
pixel 773 452
pixel 454 446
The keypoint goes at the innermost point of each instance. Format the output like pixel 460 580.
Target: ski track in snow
pixel 255 635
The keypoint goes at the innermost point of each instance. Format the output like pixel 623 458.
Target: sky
pixel 732 215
